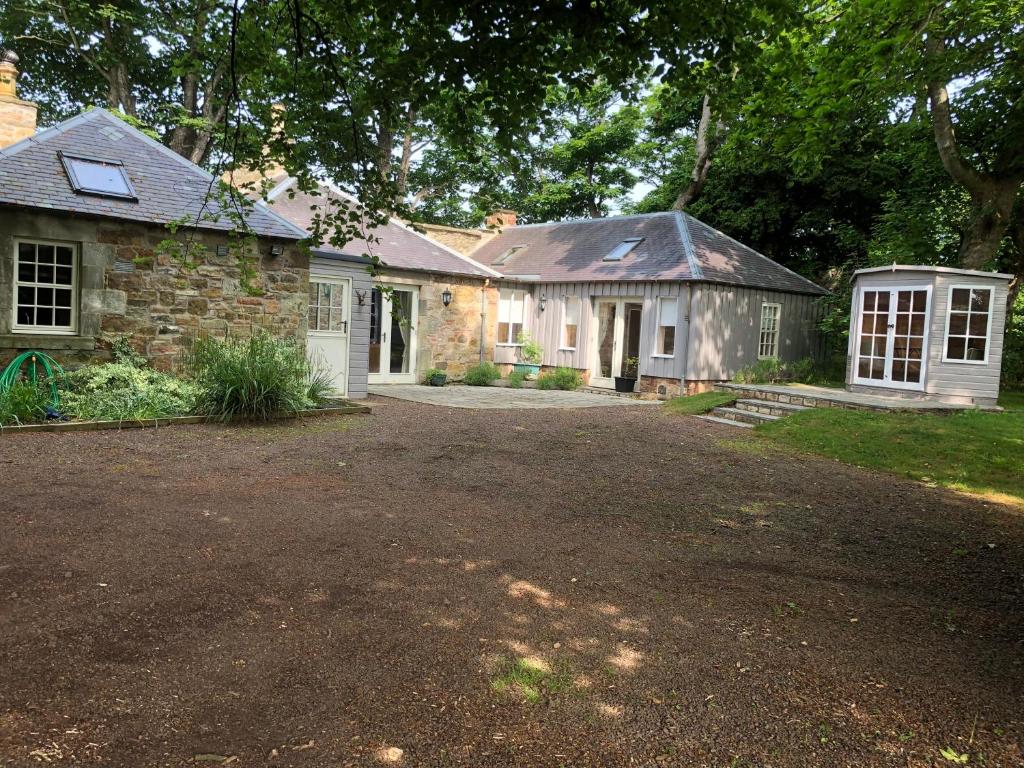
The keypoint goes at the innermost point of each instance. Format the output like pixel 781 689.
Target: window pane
pixel 337 320
pixel 518 302
pixel 864 368
pixel 44 316
pixel 44 297
pixel 955 348
pixel 865 345
pixel 338 297
pixel 881 344
pixel 517 328
pixel 902 325
pixel 570 336
pixel 26 295
pixel 45 273
pixel 899 347
pixel 64 255
pixel 313 293
pixel 97 177
pixel 961 299
pixel 44 254
pixel 917 325
pixel 903 301
pixel 503 337
pixel 920 300
pixel 979 324
pixel 976 349
pixel 504 310
pixel 27 272
pixel 323 323
pixel 914 371
pixel 63 276
pixel 667 344
pixel 26 252
pixel 877 368
pixel 980 299
pixel 312 319
pixel 62 317
pixel 883 301
pixel 899 370
pixel 667 312
pixel 572 311
pixel 958 323
pixel 26 315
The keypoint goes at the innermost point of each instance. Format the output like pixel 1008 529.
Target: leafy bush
pixel 434 373
pixel 560 378
pixel 773 371
pixel 530 351
pixel 516 379
pixel 24 403
pixel 122 391
pixel 253 378
pixel 482 375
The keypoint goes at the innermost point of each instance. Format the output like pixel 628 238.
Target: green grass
pixel 1012 401
pixel 695 404
pixel 969 451
pixel 529 679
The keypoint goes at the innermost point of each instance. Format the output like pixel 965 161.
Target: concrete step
pixel 768 407
pixel 747 417
pixel 730 422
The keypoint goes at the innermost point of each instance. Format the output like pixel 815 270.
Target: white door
pixel 616 341
pixel 892 337
pixel 393 320
pixel 327 340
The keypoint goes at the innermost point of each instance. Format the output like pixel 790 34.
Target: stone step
pixel 769 407
pixel 795 397
pixel 730 422
pixel 747 417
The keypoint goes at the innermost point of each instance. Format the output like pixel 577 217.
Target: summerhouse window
pixel 510 315
pixel 968 324
pixel 667 311
pixel 572 322
pixel 45 287
pixel 768 342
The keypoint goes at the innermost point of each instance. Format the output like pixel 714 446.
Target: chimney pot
pixel 17 116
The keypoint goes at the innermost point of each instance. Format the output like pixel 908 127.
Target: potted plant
pixel 435 377
pixel 529 355
pixel 627 381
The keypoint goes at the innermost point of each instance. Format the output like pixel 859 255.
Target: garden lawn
pixel 697 404
pixel 971 451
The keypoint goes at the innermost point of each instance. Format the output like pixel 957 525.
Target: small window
pixel 508 254
pixel 619 252
pixel 768 342
pixel 667 312
pixel 97 177
pixel 327 306
pixel 45 288
pixel 510 315
pixel 570 328
pixel 968 324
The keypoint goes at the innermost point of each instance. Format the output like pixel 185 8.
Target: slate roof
pixel 396 245
pixel 168 186
pixel 675 246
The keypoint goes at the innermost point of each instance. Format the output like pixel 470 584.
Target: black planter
pixel 438 380
pixel 624 384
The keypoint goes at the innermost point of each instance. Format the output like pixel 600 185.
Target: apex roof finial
pixel 9 57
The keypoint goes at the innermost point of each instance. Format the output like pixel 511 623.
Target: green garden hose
pixel 53 370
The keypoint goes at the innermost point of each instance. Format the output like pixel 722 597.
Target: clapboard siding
pixel 953 381
pixel 359 330
pixel 725 329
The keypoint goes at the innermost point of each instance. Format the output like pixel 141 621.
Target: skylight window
pixel 104 178
pixel 619 252
pixel 509 254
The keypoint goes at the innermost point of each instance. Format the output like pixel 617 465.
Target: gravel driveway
pixel 425 587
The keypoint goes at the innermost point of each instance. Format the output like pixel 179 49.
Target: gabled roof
pixel 674 246
pixel 168 187
pixel 396 245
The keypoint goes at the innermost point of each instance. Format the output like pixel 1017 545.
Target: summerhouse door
pixel 892 337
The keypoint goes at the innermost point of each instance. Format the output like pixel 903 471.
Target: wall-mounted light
pixel 361 298
pixel 543 301
pixel 446 296
pixel 276 250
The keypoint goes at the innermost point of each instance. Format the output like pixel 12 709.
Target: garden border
pixel 90 426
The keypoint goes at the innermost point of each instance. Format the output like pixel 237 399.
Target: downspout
pixel 483 318
pixel 686 339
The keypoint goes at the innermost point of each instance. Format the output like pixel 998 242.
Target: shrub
pixel 516 379
pixel 772 371
pixel 482 375
pixel 433 373
pixel 122 391
pixel 560 378
pixel 23 403
pixel 530 351
pixel 253 378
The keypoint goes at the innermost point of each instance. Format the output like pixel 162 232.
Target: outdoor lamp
pixel 543 301
pixel 446 296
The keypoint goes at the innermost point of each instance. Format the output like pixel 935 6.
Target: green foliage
pixel 24 403
pixel 1013 346
pixel 516 379
pixel 692 405
pixel 530 350
pixel 771 370
pixel 482 375
pixel 531 679
pixel 433 373
pixel 122 351
pixel 123 391
pixel 254 378
pixel 560 378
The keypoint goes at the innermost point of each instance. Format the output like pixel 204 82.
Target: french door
pixel 892 337
pixel 327 335
pixel 393 321
pixel 616 345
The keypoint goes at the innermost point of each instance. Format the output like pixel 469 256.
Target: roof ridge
pixel 587 220
pixel 691 253
pixel 753 251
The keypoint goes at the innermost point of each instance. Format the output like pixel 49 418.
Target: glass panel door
pixel 908 336
pixel 401 328
pixel 874 335
pixel 392 354
pixel 617 340
pixel 606 311
pixel 892 337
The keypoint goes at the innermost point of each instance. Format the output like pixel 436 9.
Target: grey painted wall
pixel 359 331
pixel 951 381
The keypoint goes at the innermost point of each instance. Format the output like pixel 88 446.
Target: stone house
pixel 84 257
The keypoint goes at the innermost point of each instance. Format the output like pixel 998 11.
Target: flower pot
pixel 624 384
pixel 530 369
pixel 438 380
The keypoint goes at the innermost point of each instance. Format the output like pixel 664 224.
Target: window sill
pixel 964 362
pixel 567 349
pixel 506 344
pixel 46 341
pixel 663 357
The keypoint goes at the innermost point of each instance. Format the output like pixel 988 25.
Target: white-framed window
pixel 510 315
pixel 45 287
pixel 327 310
pixel 668 310
pixel 571 322
pixel 768 340
pixel 968 324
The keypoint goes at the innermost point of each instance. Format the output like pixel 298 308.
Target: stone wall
pixel 659 387
pixel 449 337
pixel 127 288
pixel 465 241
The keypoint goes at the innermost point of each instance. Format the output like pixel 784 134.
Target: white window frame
pixel 43 330
pixel 778 330
pixel 892 290
pixel 949 318
pixel 658 326
pixel 345 284
pixel 566 301
pixel 510 293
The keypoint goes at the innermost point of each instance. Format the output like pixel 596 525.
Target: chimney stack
pixel 503 217
pixel 17 117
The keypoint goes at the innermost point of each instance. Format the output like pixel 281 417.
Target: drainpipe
pixel 483 318
pixel 686 339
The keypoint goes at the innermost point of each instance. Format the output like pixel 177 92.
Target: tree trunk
pixel 402 182
pixel 708 140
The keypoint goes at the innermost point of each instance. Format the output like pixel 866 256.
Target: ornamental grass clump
pixel 24 403
pixel 254 378
pixel 482 375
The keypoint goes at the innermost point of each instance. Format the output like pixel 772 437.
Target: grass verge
pixel 970 451
pixel 697 404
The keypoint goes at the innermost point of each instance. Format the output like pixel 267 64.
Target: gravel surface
pixel 354 591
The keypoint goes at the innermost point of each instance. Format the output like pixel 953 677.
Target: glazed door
pixel 393 320
pixel 328 324
pixel 892 337
pixel 617 342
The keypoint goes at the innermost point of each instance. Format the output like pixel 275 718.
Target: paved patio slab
pixel 458 396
